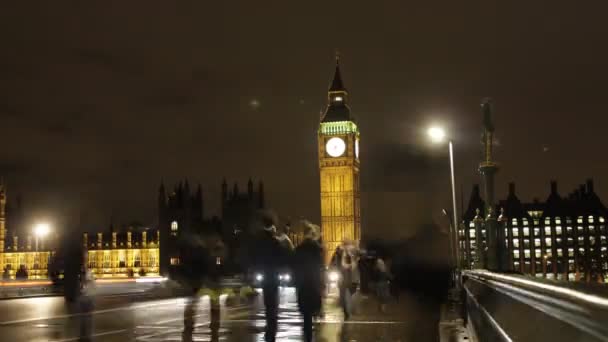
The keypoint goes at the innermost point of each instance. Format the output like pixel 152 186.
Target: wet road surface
pixel 120 319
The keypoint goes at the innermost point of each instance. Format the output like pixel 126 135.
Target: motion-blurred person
pixel 383 279
pixel 192 269
pixel 347 260
pixel 307 268
pixel 270 257
pixel 87 304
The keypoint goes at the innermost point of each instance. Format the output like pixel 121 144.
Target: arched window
pixel 174 226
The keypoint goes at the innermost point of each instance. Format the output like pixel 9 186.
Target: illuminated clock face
pixel 357 148
pixel 335 147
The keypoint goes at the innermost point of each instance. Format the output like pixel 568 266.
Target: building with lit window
pixel 563 237
pixel 27 256
pixel 181 217
pixel 123 254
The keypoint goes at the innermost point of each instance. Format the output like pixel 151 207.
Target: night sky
pixel 98 102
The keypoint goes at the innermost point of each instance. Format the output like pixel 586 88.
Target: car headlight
pixel 259 277
pixel 333 276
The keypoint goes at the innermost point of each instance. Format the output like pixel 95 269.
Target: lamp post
pixel 438 135
pixel 40 231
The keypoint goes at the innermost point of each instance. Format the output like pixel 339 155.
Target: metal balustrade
pixel 510 307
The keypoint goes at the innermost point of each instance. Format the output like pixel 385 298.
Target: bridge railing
pixel 511 307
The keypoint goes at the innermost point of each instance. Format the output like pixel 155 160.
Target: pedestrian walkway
pixel 406 319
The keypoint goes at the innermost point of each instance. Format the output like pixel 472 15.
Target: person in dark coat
pixel 307 268
pixel 270 258
pixel 192 270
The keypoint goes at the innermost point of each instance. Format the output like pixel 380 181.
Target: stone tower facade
pixel 338 142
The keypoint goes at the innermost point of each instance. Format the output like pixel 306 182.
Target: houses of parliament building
pixel 562 237
pixel 131 251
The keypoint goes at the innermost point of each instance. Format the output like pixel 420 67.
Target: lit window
pixel 537 253
pixel 571 253
pixel 592 240
pixel 601 219
pixel 580 228
pixel 516 264
pixel 581 239
pixel 547 220
pixel 526 231
pixel 527 253
pixel 218 260
pixel 558 230
pixel 338 98
pixel 525 222
pixel 547 230
pixel 569 230
pixel 515 232
pixel 581 250
pixel 548 253
pixel 516 243
pixel 174 261
pixel 579 219
pixel 516 254
pixel 591 229
pixel 536 231
pixel 590 219
pixel 536 242
pixel 560 253
pixel 472 225
pixel 174 226
pixel 536 222
pixel 558 241
pixel 472 233
pixel 558 220
pixel 514 222
pixel 548 242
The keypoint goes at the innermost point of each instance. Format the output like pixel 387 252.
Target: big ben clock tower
pixel 339 168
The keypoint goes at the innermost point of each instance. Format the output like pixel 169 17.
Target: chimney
pixel 511 189
pixel 553 187
pixel 590 186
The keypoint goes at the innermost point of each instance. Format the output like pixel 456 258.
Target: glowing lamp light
pixel 436 134
pixel 42 229
pixel 259 277
pixel 333 276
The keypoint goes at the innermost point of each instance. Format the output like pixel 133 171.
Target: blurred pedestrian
pixel 271 258
pixel 383 279
pixel 348 260
pixel 191 271
pixel 308 268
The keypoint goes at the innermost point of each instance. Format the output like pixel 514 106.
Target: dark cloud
pixel 98 102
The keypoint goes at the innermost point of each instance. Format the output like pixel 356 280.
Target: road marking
pixel 105 333
pixel 129 307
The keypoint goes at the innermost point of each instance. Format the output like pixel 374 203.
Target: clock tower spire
pixel 338 139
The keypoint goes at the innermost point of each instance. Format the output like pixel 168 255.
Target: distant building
pixel 17 255
pixel 561 238
pixel 181 216
pixel 140 251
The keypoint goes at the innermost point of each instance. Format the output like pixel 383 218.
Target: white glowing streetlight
pixel 438 135
pixel 41 230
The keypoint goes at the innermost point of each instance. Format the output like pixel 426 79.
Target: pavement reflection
pixel 163 320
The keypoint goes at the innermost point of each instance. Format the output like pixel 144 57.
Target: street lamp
pixel 41 230
pixel 438 135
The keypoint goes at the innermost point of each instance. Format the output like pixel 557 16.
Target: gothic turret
pixel 337 97
pixel 488 167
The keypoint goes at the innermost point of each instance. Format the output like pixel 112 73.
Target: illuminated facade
pixel 338 143
pixel 123 254
pixel 30 254
pixel 562 238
